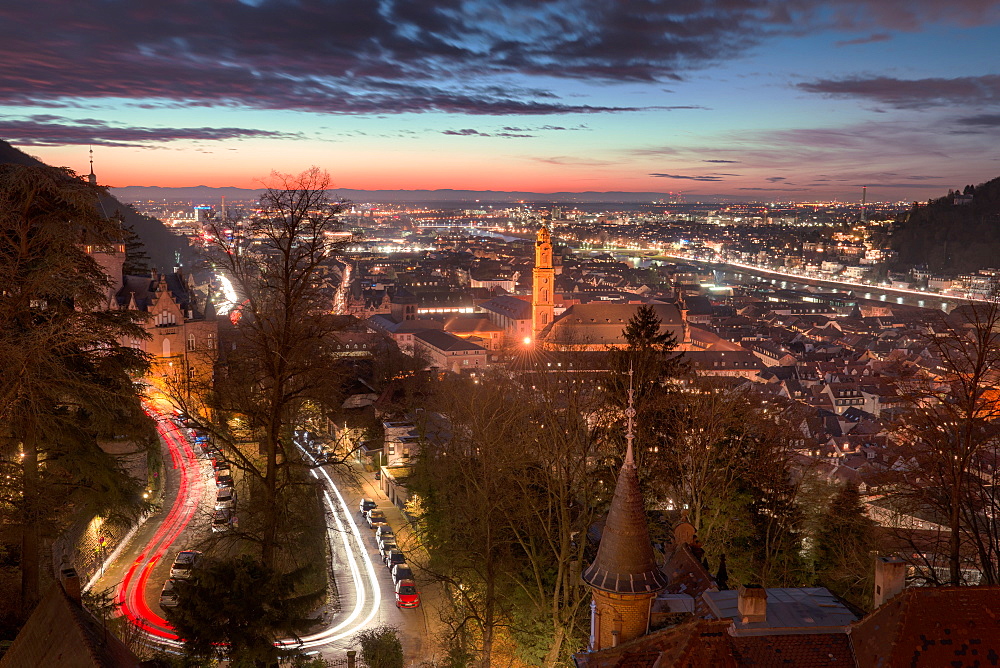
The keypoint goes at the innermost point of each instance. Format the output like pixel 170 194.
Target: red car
pixel 407 595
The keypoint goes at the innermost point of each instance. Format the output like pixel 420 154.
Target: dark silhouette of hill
pixel 160 243
pixel 952 234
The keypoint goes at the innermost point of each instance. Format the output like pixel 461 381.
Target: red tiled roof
pixel 814 650
pixel 928 627
pixel 695 644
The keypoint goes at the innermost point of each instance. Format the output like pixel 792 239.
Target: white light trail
pixel 347 627
pixel 230 292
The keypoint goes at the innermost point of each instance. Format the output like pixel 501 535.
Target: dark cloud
pixel 775 179
pixel 904 185
pixel 912 93
pixel 725 162
pixel 399 56
pixel 877 37
pixel 980 121
pixel 469 132
pixel 688 178
pixel 49 130
pixel 779 190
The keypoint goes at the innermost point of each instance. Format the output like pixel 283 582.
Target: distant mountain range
pixel 161 244
pixel 209 195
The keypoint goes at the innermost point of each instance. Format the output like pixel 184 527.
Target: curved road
pixel 359 583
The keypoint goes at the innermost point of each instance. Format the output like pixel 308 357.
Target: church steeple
pixel 624 577
pixel 91 178
pixel 542 285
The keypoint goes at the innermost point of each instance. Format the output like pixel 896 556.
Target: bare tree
pixel 281 263
pixel 945 444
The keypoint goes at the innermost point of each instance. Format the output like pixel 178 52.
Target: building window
pixel 392 448
pixel 166 347
pixel 211 341
pixel 191 342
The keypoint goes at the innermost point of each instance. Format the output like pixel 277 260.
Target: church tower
pixel 92 178
pixel 624 578
pixel 542 285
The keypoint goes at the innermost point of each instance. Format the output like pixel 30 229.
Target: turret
pixel 624 578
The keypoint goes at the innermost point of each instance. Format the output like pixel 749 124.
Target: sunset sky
pixel 781 99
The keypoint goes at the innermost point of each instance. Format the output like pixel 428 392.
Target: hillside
pixel 160 243
pixel 950 237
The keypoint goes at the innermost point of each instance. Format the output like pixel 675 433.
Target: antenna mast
pixel 864 197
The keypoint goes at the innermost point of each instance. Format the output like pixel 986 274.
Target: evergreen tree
pixel 647 354
pixel 844 547
pixel 642 332
pixel 136 258
pixel 380 647
pixel 66 380
pixel 238 608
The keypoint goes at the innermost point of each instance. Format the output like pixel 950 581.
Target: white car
pixel 184 564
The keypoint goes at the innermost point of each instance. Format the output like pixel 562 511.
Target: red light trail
pixel 131 594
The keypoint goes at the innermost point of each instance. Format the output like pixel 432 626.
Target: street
pixel 365 595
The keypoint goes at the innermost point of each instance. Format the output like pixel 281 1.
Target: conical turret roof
pixel 625 562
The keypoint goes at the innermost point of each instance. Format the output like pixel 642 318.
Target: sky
pixel 748 99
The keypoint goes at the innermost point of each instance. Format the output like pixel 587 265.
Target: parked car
pixel 168 597
pixel 225 498
pixel 384 532
pixel 401 572
pixel 184 563
pixel 366 505
pixel 385 540
pixel 221 467
pixel 223 520
pixel 223 481
pixel 407 595
pixel 387 546
pixel 393 557
pixel 375 518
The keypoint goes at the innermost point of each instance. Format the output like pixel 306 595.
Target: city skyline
pixel 762 100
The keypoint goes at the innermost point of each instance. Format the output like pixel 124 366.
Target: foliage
pixel 647 354
pixel 380 647
pixel 243 605
pixel 844 548
pixel 66 379
pixel 725 455
pixel 506 494
pixel 136 259
pixel 949 238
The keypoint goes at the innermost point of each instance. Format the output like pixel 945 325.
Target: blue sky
pixel 781 100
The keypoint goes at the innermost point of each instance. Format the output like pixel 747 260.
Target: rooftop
pixel 790 611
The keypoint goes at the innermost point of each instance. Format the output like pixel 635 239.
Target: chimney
pixel 890 578
pixel 752 603
pixel 70 581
